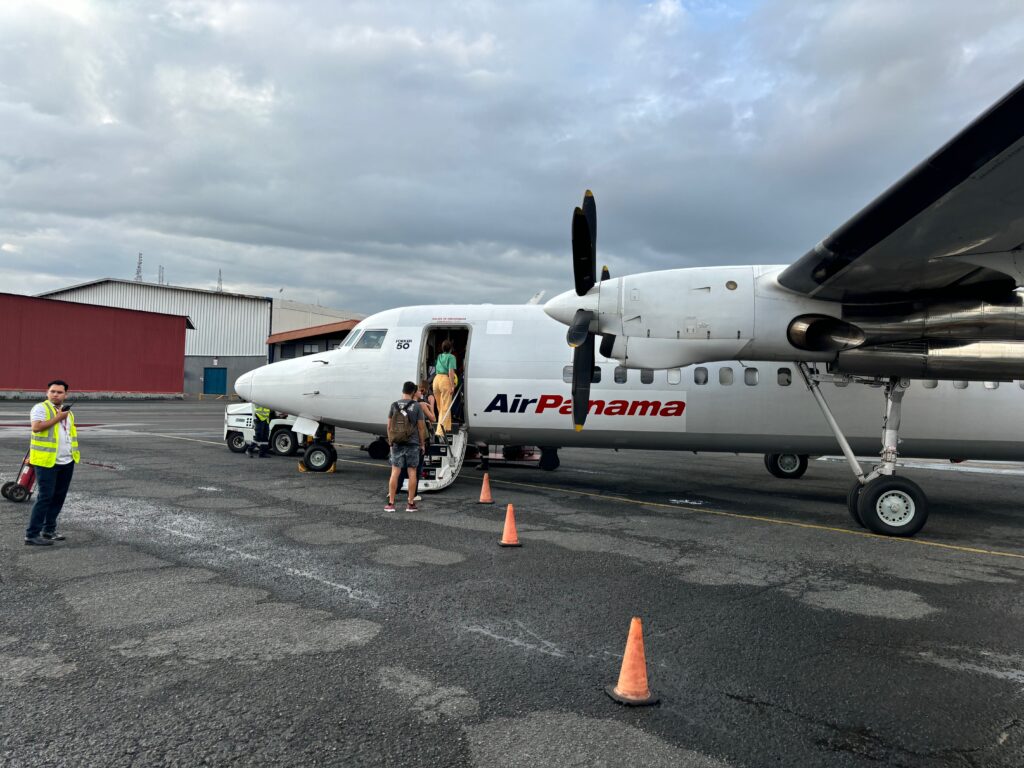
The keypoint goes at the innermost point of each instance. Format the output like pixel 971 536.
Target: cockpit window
pixel 371 340
pixel 352 336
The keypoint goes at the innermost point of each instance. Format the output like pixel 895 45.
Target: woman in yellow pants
pixel 444 386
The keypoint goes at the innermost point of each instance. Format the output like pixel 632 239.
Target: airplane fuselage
pixel 517 391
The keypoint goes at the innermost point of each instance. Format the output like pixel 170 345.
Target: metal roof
pixel 153 285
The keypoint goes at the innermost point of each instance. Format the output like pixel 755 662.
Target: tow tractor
pixel 239 431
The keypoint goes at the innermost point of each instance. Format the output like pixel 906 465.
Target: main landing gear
pixel 788 466
pixel 879 501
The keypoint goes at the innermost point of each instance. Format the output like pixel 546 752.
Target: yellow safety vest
pixel 42 450
pixel 263 414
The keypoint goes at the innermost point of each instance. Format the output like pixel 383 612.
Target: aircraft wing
pixel 954 225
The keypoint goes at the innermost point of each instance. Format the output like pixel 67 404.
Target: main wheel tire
pixel 319 457
pixel 893 506
pixel 788 466
pixel 6 487
pixel 378 449
pixel 852 498
pixel 512 452
pixel 235 441
pixel 549 460
pixel 284 442
pixel 17 493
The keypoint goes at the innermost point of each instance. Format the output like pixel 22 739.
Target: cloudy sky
pixel 370 154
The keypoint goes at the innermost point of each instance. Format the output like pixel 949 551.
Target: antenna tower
pixel 160 276
pixel 138 269
pixel 220 280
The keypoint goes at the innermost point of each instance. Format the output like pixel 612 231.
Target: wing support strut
pixel 811 380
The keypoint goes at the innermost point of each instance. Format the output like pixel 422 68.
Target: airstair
pixel 444 457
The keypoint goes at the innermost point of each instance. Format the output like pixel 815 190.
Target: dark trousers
pixel 51 488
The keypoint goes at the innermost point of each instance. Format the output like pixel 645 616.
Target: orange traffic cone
pixel 485 490
pixel 632 686
pixel 509 537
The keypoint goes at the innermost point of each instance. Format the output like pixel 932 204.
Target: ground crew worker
pixel 53 451
pixel 261 432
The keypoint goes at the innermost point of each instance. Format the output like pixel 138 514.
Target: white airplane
pixel 921 284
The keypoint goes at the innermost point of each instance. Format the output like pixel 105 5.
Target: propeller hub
pixel 563 307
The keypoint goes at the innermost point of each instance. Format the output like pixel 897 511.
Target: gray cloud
pixel 319 146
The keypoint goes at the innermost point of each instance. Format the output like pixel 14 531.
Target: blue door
pixel 215 381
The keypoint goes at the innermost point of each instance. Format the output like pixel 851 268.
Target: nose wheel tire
pixel 893 506
pixel 788 466
pixel 319 457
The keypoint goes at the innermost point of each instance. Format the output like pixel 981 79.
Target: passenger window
pixel 353 335
pixel 372 340
pixel 596 377
pixel 700 376
pixel 991 385
pixel 750 377
pixel 1021 383
pixel 930 383
pixel 621 374
pixel 646 376
pixel 675 376
pixel 959 385
pixel 785 377
pixel 725 376
pixel 567 374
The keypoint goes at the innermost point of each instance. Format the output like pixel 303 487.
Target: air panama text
pixel 520 404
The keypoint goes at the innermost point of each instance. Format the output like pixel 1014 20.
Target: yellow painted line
pixel 701 511
pixel 771 520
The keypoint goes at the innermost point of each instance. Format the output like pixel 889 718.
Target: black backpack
pixel 402 427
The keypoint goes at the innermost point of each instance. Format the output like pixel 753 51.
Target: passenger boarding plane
pixel 920 285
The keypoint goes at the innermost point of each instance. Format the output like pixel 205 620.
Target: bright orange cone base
pixel 632 687
pixel 509 537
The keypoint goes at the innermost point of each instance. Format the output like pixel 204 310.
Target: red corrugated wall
pixel 93 348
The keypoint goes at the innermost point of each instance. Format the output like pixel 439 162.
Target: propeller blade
pixel 582 373
pixel 590 212
pixel 580 328
pixel 584 262
pixel 605 274
pixel 607 342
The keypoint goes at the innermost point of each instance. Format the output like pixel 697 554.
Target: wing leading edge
pixel 953 225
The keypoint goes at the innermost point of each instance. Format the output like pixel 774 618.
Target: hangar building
pixel 95 349
pixel 232 329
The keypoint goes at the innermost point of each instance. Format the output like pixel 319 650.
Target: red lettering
pixel 596 406
pixel 617 408
pixel 548 401
pixel 673 408
pixel 566 407
pixel 645 407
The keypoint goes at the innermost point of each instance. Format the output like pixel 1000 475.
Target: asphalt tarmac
pixel 211 609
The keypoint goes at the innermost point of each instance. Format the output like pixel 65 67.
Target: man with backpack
pixel 407 433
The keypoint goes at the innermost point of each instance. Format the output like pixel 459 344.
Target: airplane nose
pixel 563 306
pixel 243 386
